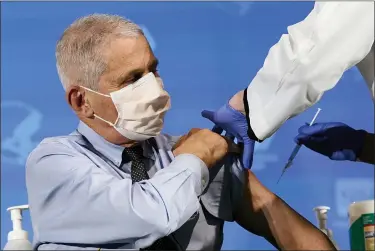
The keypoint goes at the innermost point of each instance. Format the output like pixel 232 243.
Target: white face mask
pixel 141 107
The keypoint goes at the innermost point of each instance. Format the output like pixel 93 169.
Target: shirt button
pixel 203 182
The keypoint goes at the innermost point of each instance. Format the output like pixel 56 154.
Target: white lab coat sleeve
pixel 366 68
pixel 308 61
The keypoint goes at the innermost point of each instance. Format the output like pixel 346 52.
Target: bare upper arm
pixel 254 222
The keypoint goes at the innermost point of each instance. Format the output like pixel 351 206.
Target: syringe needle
pixel 288 164
pixel 297 148
pixel 280 176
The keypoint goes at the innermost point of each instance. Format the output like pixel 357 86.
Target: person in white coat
pixel 304 64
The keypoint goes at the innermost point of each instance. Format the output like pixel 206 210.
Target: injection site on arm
pixel 66 189
pixel 308 61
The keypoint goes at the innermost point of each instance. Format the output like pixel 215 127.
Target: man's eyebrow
pixel 152 64
pixel 123 77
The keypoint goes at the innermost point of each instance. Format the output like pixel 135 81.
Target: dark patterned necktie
pixel 139 173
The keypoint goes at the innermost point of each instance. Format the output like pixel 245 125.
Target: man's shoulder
pixel 58 145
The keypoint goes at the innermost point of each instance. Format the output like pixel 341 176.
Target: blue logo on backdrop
pixel 349 190
pixel 263 156
pixel 16 145
pixel 237 8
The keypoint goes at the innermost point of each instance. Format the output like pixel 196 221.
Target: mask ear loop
pixel 106 121
pixel 96 116
pixel 88 89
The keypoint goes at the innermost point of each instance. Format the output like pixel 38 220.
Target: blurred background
pixel 207 51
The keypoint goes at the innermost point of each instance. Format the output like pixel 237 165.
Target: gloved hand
pixel 234 123
pixel 335 140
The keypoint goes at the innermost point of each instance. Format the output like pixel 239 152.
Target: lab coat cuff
pixel 250 131
pixel 198 168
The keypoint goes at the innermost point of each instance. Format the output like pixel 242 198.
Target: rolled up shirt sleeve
pixel 74 201
pixel 308 61
pixel 225 192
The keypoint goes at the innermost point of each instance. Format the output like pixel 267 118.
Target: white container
pixel 17 238
pixel 321 216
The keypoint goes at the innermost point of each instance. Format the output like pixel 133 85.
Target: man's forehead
pixel 126 55
pixel 129 52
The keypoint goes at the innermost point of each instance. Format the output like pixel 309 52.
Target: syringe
pixel 296 149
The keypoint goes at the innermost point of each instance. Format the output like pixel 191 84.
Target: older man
pixel 117 183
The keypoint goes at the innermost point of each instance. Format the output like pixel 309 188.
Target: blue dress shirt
pixel 81 195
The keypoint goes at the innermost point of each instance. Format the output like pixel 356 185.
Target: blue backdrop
pixel 207 51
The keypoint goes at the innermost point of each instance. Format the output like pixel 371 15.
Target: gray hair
pixel 79 52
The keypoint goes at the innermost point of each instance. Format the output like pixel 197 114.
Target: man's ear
pixel 78 101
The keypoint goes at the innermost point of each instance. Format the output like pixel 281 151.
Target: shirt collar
pixel 111 151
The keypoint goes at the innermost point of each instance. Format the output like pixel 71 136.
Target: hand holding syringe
pixel 296 149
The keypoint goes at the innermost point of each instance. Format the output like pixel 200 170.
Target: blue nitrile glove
pixel 335 140
pixel 234 123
